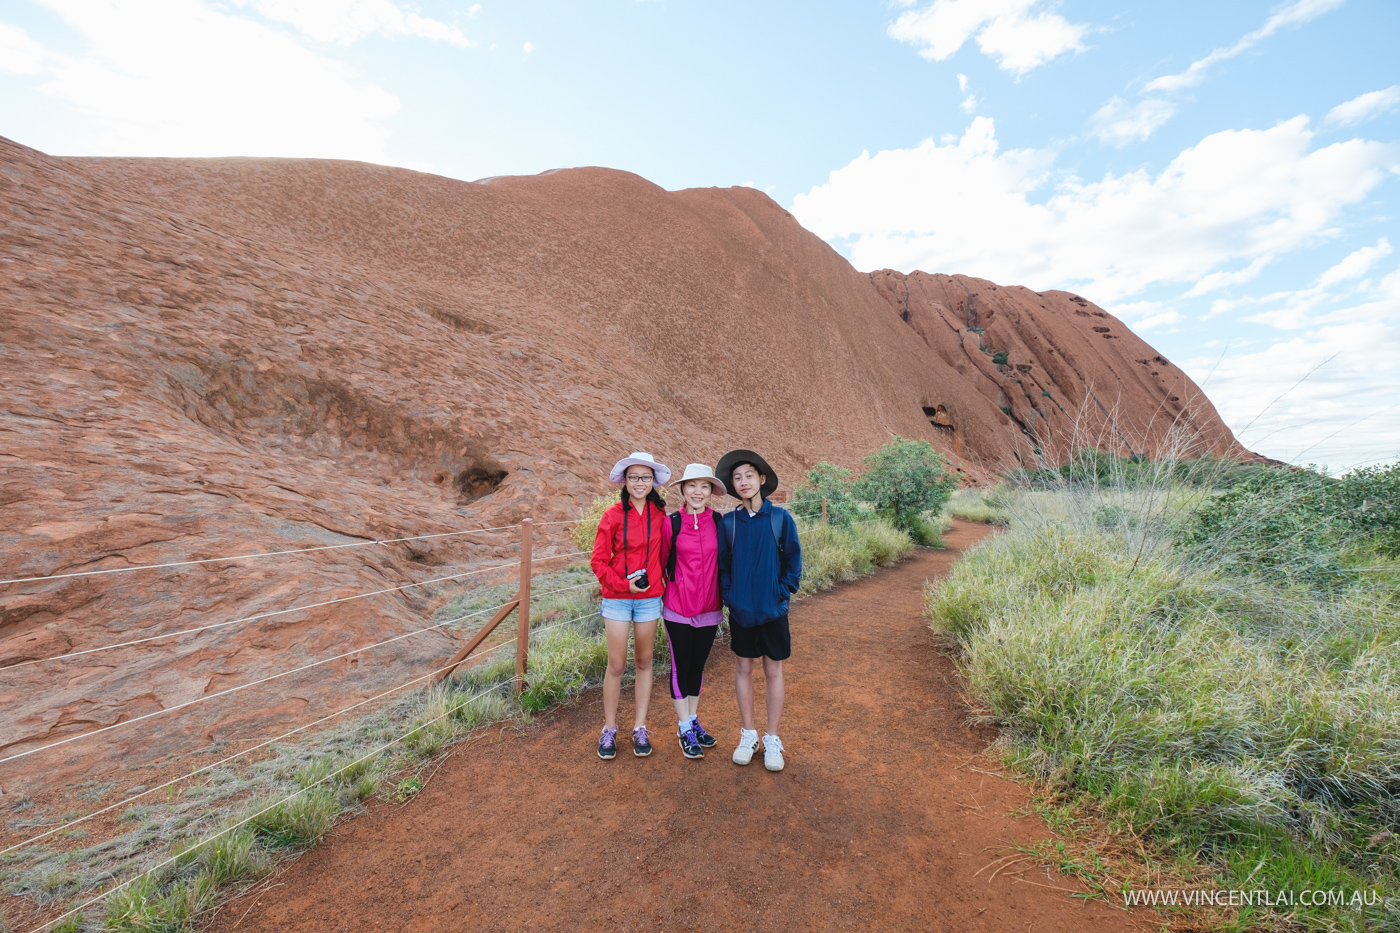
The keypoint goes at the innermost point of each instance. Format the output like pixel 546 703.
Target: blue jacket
pixel 755 587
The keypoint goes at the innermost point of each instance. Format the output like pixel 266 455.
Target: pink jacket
pixel 693 597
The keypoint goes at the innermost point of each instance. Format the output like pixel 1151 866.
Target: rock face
pixel 217 357
pixel 1064 373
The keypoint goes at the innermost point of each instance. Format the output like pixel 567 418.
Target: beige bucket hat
pixel 701 471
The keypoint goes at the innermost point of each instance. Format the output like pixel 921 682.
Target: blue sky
pixel 1225 177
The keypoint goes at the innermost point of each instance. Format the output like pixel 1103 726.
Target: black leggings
pixel 690 649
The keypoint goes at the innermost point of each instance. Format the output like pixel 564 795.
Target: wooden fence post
pixel 522 611
pixel 823 510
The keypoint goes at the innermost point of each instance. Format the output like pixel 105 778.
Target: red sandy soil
pixel 884 818
pixel 223 356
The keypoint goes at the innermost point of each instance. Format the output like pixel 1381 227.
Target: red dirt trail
pixel 878 822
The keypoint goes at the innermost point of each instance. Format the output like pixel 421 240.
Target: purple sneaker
pixel 641 741
pixel 690 745
pixel 607 744
pixel 703 738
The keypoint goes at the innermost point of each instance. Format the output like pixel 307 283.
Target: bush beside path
pixel 884 819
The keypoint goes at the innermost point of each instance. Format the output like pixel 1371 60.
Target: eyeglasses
pixel 638 479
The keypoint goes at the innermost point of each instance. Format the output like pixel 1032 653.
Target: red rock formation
pixel 1064 373
pixel 210 357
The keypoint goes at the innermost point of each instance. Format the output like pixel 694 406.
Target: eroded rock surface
pixel 214 357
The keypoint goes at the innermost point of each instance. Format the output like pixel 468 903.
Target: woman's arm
pixel 603 553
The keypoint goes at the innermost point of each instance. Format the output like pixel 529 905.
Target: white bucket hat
pixel 701 471
pixel 618 476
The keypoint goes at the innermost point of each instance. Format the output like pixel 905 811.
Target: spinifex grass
pixel 832 555
pixel 1250 724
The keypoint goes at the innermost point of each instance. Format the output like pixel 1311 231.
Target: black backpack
pixel 725 524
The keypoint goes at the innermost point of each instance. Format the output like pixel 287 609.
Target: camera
pixel 641 577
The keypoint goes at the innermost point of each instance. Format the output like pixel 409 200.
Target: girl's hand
pixel 633 587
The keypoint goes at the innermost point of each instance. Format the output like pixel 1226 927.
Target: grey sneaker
pixel 641 741
pixel 748 744
pixel 772 753
pixel 607 744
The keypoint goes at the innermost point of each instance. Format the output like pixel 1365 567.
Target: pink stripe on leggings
pixel 675 684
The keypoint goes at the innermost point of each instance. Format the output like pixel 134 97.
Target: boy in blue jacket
pixel 760 566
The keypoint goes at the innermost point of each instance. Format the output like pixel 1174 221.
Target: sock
pixel 683 725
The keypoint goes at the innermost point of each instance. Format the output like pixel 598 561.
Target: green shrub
pixel 234 857
pixel 979 505
pixel 1000 357
pixel 1368 499
pixel 1279 524
pixel 143 907
pixel 585 530
pixel 832 555
pixel 927 530
pixel 299 821
pixel 562 663
pixel 904 479
pixel 833 483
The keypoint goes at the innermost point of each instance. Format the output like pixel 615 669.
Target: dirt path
pixel 878 823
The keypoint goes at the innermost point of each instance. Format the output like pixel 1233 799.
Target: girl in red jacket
pixel 628 561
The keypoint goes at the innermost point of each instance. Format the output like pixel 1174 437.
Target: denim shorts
pixel 632 610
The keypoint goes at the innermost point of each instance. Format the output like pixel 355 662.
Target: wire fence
pixel 190 851
pixel 260 554
pixel 302 728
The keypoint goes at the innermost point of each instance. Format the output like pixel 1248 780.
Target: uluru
pixel 207 357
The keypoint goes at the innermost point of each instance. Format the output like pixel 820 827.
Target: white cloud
pixel 965 206
pixel 1343 414
pixel 1146 315
pixel 1295 14
pixel 1008 31
pixel 970 102
pixel 179 78
pixel 1118 123
pixel 1356 264
pixel 19 54
pixel 1373 301
pixel 1362 108
pixel 345 21
pixel 1226 277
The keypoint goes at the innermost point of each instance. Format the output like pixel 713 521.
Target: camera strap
pixel 646 517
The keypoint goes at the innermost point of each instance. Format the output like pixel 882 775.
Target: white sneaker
pixel 772 753
pixel 748 744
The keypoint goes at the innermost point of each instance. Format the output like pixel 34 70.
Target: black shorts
pixel 771 640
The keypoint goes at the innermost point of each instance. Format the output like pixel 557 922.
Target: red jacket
pixel 611 563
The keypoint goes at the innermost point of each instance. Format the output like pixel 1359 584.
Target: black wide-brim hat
pixel 727 463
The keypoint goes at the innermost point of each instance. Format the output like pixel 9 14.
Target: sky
pixel 1224 177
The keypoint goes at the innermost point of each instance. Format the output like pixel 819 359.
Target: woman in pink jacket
pixel 691 607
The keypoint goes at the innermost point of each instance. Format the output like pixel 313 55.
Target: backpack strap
pixel 779 520
pixel 671 558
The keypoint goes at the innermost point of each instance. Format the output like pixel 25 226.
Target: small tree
pixel 832 483
pixel 904 479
